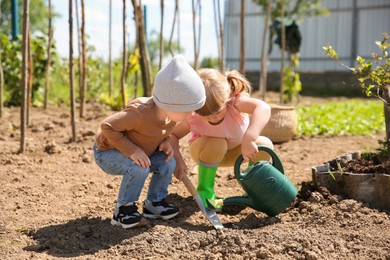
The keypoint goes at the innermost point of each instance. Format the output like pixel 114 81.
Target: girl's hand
pixel 167 149
pixel 140 158
pixel 249 150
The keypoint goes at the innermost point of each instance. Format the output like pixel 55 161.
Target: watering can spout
pixel 240 200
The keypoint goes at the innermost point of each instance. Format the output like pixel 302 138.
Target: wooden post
pixel 242 38
pixel 47 82
pixel 124 63
pixel 111 81
pixel 264 56
pixel 161 34
pixel 24 82
pixel 72 99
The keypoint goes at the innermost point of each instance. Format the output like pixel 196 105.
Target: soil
pixel 56 203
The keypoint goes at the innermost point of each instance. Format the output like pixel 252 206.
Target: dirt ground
pixel 56 203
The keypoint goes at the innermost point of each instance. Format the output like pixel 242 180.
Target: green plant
pixel 292 84
pixel 374 76
pixel 11 60
pixel 352 117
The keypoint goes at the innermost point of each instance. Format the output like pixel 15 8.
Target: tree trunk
pixel 173 27
pixel 199 30
pixel 111 83
pixel 1 79
pixel 264 56
pixel 80 59
pixel 23 115
pixel 219 33
pixel 283 6
pixel 124 63
pixel 242 38
pixel 84 51
pixel 47 82
pixel 161 34
pixel 194 33
pixel 30 77
pixel 145 60
pixel 1 86
pixel 178 25
pixel 72 99
pixel 386 97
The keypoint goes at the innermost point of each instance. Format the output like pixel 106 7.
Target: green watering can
pixel 268 189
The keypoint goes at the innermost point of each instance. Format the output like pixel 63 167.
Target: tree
pixel 23 112
pixel 374 78
pixel 141 43
pixel 72 99
pixel 50 35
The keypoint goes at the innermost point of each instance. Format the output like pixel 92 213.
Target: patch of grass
pixel 353 117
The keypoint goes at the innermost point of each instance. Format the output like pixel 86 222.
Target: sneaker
pixel 161 209
pixel 127 216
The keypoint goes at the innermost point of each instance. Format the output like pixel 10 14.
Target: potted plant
pixel 364 176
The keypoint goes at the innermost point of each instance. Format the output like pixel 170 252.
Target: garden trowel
pixel 209 213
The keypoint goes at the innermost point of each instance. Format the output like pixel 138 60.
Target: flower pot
pixel 372 188
pixel 282 125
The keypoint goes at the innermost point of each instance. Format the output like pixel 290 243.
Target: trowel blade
pixel 210 214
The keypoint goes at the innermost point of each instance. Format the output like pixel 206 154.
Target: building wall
pixel 351 28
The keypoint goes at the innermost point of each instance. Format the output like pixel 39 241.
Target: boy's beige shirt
pixel 136 125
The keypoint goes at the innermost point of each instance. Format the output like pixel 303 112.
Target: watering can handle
pixel 276 162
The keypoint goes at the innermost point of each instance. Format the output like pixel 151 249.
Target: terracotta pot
pixel 282 124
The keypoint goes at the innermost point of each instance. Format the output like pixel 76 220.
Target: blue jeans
pixel 115 163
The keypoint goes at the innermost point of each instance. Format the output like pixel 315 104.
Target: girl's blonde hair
pixel 220 88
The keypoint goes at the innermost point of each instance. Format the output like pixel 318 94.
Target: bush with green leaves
pixel 11 56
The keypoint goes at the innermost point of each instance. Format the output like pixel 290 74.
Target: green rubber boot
pixel 206 177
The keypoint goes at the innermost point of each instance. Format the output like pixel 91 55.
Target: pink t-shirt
pixel 232 128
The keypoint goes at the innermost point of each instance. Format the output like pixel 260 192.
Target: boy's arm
pixel 113 128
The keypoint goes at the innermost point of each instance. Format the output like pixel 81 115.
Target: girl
pixel 222 129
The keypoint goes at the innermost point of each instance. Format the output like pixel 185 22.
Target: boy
pixel 135 142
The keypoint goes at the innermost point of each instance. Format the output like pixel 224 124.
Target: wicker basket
pixel 282 125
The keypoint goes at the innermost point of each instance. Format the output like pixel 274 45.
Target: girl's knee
pixel 262 140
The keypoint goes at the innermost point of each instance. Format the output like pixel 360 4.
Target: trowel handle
pixel 276 162
pixel 190 187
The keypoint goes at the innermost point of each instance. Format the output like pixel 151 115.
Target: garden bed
pixel 356 178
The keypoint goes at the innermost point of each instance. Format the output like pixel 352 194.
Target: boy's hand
pixel 140 158
pixel 181 170
pixel 166 147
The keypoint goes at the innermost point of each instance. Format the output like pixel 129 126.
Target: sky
pixel 97 20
